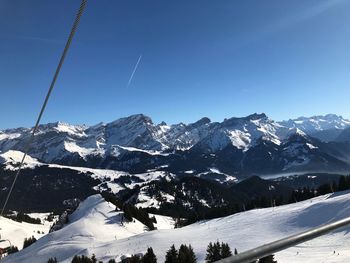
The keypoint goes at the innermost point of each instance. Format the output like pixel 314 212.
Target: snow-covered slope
pixel 164 222
pixel 11 159
pixel 16 232
pixel 94 222
pixel 95 228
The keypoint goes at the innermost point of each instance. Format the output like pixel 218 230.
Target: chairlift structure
pixel 5 246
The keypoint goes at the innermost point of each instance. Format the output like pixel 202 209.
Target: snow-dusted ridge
pixel 96 228
pixel 317 123
pixel 135 143
pixel 11 160
pixel 56 141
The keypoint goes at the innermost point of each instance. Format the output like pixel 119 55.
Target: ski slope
pixel 16 232
pixel 96 228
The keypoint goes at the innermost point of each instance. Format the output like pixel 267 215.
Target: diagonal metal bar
pixel 282 244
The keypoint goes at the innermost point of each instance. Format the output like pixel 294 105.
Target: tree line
pixel 185 254
pixel 297 195
pixel 131 211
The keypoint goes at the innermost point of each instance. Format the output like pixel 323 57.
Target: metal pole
pixel 282 244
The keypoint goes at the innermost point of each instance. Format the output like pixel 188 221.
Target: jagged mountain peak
pixel 202 121
pixel 135 141
pixel 317 123
pixel 257 116
pixel 133 119
pixel 253 117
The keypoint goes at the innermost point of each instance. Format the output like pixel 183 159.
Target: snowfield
pixel 96 228
pixel 12 159
pixel 16 232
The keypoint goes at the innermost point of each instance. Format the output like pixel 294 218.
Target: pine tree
pixel 52 260
pixel 76 259
pixel 112 261
pixel 149 257
pixel 134 259
pixel 171 255
pixel 28 241
pixel 225 251
pixel 213 252
pixel 83 259
pixel 93 258
pixel 342 184
pixel 236 252
pixel 186 254
pixel 324 189
pixel 268 259
pixel 216 251
pixel 210 253
pixel 12 249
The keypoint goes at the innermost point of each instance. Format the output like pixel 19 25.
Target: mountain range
pixel 239 147
pixel 183 171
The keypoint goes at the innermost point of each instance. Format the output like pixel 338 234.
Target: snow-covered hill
pixel 11 159
pixel 16 232
pixel 96 228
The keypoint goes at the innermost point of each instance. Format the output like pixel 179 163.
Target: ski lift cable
pixel 58 69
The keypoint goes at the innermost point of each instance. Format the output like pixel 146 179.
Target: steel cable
pixel 58 69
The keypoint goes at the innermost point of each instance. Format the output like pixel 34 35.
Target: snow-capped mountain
pixel 236 146
pixel 317 123
pixel 55 141
pixel 325 128
pixel 96 228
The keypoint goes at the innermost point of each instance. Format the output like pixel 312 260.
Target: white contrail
pixel 133 72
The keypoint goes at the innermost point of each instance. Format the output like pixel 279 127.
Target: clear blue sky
pixel 199 58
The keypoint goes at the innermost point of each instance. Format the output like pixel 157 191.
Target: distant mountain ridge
pixel 325 128
pixel 238 147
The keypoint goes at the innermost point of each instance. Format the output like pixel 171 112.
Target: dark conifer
pixel 225 251
pixel 342 184
pixel 28 241
pixel 52 260
pixel 149 257
pixel 186 254
pixel 12 249
pixel 172 255
pixel 268 259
